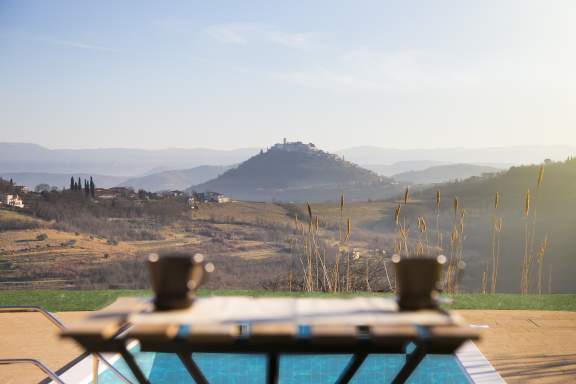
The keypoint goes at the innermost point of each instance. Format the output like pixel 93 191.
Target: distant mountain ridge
pixel 513 155
pixel 130 163
pixel 24 157
pixel 402 166
pixel 175 179
pixel 444 173
pixel 296 171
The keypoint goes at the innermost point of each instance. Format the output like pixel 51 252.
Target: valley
pixel 298 218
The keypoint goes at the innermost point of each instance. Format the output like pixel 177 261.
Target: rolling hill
pixel 297 171
pixel 175 179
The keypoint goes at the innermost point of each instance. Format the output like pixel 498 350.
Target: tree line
pixel 87 186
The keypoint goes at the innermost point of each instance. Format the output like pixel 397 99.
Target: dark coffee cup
pixel 175 276
pixel 418 281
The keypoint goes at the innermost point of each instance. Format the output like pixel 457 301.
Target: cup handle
pixel 200 273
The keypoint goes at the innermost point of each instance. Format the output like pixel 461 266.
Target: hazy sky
pixel 229 74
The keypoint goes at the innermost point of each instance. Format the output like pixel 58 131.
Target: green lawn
pixel 57 301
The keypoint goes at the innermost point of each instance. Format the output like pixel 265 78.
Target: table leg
pixel 192 368
pixel 352 367
pixel 412 361
pixel 131 362
pixel 272 371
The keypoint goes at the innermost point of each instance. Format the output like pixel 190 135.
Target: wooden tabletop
pixel 247 324
pixel 348 311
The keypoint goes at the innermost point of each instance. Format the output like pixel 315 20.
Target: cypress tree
pixel 79 185
pixel 86 188
pixel 92 188
pixel 71 183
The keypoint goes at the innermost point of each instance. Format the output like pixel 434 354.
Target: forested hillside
pixel 539 198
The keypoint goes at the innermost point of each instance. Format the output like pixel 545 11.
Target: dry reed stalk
pixel 346 238
pixel 498 248
pixel 336 272
pixel 438 233
pixel 316 270
pixel 336 283
pixel 367 272
pixel 299 229
pixel 398 240
pixel 460 245
pixel 290 279
pixel 326 283
pixel 422 236
pixel 494 234
pixel 348 229
pixel 341 217
pixel 387 276
pixel 459 273
pixel 454 236
pixel 397 246
pixel 484 282
pixel 524 283
pixel 397 215
pixel 291 274
pixel 527 203
pixel 348 282
pixel 419 250
pixel 441 235
pixel 539 181
pixel 456 204
pixel 406 196
pixel 456 247
pixel 308 266
pixel 424 231
pixel 452 264
pixel 309 217
pixel 540 261
pixel 403 230
pixel 540 176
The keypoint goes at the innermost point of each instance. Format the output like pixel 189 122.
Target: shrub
pixel 41 237
pixel 14 225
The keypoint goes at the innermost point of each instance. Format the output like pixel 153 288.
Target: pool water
pixel 220 368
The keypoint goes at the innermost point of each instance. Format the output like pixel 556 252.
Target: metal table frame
pixel 358 341
pixel 359 352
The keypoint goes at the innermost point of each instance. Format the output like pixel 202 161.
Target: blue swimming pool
pixel 220 368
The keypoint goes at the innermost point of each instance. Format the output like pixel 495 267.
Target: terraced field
pixel 249 242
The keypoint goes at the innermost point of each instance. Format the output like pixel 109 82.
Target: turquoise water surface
pixel 221 368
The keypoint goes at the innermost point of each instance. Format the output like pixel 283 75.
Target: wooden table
pixel 273 326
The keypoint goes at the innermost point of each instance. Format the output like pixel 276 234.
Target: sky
pixel 231 74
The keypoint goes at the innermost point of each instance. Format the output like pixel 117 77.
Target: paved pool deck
pixel 524 346
pixel 31 335
pixel 528 346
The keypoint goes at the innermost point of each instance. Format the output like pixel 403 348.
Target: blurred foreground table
pixel 273 326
